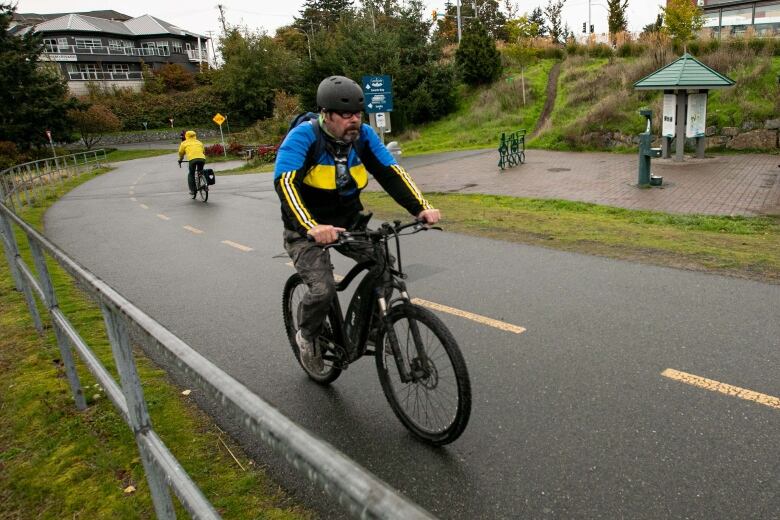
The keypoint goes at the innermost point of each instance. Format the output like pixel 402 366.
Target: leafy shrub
pixel 267 153
pixel 235 148
pixel 175 77
pixel 214 149
pixel 600 50
pixel 93 122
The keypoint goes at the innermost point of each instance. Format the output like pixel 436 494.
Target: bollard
pixel 646 152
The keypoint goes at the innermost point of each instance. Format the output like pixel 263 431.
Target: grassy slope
pixel 484 113
pixel 596 95
pixel 58 463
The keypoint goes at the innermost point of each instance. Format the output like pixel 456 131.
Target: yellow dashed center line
pixel 508 327
pixel 238 246
pixel 144 206
pixel 723 388
pixel 164 217
pixel 193 230
pixel 490 322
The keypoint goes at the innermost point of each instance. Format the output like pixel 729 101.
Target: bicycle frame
pixel 376 287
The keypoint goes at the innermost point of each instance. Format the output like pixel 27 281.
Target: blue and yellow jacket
pixel 311 197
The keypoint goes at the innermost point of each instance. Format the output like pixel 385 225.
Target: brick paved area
pixel 722 185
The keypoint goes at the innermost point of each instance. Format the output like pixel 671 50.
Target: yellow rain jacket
pixel 191 147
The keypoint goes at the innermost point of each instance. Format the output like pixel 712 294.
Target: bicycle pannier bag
pixel 210 177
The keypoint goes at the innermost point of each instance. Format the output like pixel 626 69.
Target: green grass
pixel 249 167
pixel 746 247
pixel 56 462
pixel 484 114
pixel 129 155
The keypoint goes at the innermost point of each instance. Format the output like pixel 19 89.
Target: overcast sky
pixel 201 15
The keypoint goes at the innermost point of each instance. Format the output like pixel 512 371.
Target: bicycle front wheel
pixel 435 404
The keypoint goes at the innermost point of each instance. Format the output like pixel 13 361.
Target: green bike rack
pixel 511 149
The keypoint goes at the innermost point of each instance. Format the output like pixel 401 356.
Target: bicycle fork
pixel 419 366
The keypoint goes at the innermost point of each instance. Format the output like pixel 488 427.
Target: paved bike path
pixel 571 418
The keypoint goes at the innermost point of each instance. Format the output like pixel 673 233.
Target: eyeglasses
pixel 347 115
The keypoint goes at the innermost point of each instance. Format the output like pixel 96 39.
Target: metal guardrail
pixel 24 183
pixel 356 489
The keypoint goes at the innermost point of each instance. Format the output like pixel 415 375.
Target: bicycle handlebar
pixel 385 230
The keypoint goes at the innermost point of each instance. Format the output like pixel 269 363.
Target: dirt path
pixel 549 104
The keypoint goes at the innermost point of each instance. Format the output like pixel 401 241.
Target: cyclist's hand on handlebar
pixel 179 161
pixel 429 216
pixel 324 233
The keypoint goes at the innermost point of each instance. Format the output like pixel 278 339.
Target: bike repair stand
pixel 646 153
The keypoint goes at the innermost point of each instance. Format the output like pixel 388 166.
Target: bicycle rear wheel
pixel 203 187
pixel 292 297
pixel 436 404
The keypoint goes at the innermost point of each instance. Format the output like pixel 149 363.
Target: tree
pixel 553 13
pixel 682 20
pixel 477 58
pixel 522 28
pixel 322 14
pixel 93 122
pixel 537 18
pixel 33 97
pixel 655 26
pixel 255 67
pixel 616 21
pixel 175 77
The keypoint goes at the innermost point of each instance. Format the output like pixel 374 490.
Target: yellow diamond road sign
pixel 219 119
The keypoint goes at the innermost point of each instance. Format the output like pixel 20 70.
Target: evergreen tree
pixel 477 58
pixel 655 26
pixel 322 14
pixel 553 13
pixel 33 95
pixel 537 17
pixel 616 20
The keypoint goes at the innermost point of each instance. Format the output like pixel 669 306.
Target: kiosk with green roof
pixel 685 82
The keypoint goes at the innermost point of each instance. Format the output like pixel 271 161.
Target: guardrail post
pixel 137 411
pixel 62 341
pixel 5 230
pixel 11 246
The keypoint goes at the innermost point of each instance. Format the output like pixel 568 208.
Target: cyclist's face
pixel 343 125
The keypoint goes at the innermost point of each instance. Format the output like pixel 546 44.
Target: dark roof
pixel 34 18
pixel 685 72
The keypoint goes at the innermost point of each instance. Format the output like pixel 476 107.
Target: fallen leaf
pixel 130 489
pixel 186 392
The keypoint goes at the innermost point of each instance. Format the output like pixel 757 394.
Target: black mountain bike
pixel 421 369
pixel 201 185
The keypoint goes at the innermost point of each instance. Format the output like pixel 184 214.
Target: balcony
pixel 107 51
pixel 193 55
pixel 105 76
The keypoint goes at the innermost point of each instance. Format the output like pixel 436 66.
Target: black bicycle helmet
pixel 340 94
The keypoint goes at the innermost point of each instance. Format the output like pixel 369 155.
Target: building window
pixel 118 67
pixel 736 21
pixel 88 43
pixel 163 49
pixel 51 45
pixel 768 19
pixel 176 46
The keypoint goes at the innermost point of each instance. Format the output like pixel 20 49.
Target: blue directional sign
pixel 378 92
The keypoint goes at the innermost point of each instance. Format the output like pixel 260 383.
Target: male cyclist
pixel 194 151
pixel 321 167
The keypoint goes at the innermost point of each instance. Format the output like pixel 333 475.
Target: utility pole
pixel 589 26
pixel 458 8
pixel 222 17
pixel 213 56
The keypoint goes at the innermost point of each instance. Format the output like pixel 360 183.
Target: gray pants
pixel 313 264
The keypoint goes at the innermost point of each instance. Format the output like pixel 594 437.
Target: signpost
pixel 53 151
pixel 219 119
pixel 378 94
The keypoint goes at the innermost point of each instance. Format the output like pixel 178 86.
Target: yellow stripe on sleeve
pixel 412 186
pixel 294 201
